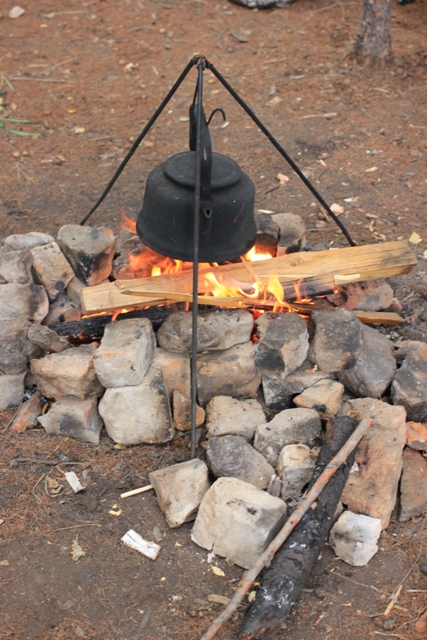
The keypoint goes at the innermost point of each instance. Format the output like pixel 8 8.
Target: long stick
pixel 250 576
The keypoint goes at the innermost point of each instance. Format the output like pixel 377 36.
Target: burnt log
pixel 92 328
pixel 284 580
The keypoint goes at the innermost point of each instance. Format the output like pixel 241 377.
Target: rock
pixel 413 485
pixel 409 388
pixel 231 507
pixel 216 330
pixel 354 538
pixel 295 467
pixel 325 396
pixel 292 233
pixel 227 373
pixel 336 341
pixel 26 241
pixel 180 489
pixel 28 301
pixel 416 436
pixel 15 348
pixel 125 353
pixel 11 390
pixel 234 457
pixel 89 251
pixel 70 373
pixel 374 368
pixel 46 339
pixel 278 394
pixel 74 418
pixel 176 371
pixel 15 266
pixel 371 487
pixel 414 348
pixel 27 414
pixel 74 290
pixel 62 310
pixel 138 414
pixel 229 416
pixel 51 269
pixel 371 295
pixel 282 345
pixel 291 426
pixel 182 412
pixel 267 237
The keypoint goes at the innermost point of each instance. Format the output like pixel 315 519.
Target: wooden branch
pixel 351 264
pixel 265 558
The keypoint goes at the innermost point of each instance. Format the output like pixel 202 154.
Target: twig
pixel 265 558
pixel 4 80
pixel 60 64
pixel 53 462
pixel 368 586
pixel 135 492
pixel 77 526
pixel 390 635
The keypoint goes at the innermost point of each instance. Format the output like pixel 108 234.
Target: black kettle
pixel 227 194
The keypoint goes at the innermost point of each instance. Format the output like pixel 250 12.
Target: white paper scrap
pixel 73 481
pixel 135 541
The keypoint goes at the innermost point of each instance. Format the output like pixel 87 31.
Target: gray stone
pixel 15 348
pixel 176 371
pixel 336 340
pixel 372 485
pixel 371 295
pixel 180 489
pixel 181 404
pixel 90 251
pixel 15 266
pixel 295 467
pixel 374 368
pixel 278 394
pixel 354 538
pixel 63 310
pixel 70 373
pixel 325 396
pixel 26 241
pixel 234 457
pixel 74 290
pixel 292 233
pixel 229 416
pixel 413 485
pixel 51 269
pixel 138 414
pixel 125 353
pixel 282 345
pixel 46 339
pixel 231 507
pixel 291 426
pixel 28 301
pixel 409 388
pixel 267 237
pixel 11 390
pixel 216 330
pixel 227 373
pixel 73 418
pixel 414 348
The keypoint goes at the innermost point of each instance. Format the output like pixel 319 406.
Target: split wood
pixel 265 558
pixel 135 492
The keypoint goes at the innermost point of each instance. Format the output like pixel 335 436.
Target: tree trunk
pixel 374 34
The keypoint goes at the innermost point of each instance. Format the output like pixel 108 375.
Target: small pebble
pixel 388 625
pixel 423 569
pixel 320 593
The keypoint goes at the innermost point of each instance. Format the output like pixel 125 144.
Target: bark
pixel 374 34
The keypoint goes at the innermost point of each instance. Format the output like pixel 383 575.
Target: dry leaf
pixel 251 596
pixel 119 445
pixel 115 511
pixel 4 563
pixel 274 101
pixel 16 12
pixel 76 551
pixel 79 130
pixel 282 178
pixel 415 238
pixel 351 199
pixel 53 486
pixel 217 571
pixel 371 170
pixel 337 209
pixel 218 599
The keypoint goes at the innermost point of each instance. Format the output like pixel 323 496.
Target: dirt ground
pixel 88 75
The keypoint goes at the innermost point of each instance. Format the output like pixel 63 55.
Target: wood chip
pixel 135 541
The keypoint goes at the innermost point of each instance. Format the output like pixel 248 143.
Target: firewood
pixel 351 264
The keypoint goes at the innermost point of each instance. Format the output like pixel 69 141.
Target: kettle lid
pixel 181 168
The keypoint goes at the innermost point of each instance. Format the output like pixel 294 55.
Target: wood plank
pixel 351 264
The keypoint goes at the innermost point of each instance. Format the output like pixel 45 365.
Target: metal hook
pixel 214 112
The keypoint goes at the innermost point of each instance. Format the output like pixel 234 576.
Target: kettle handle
pixel 206 148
